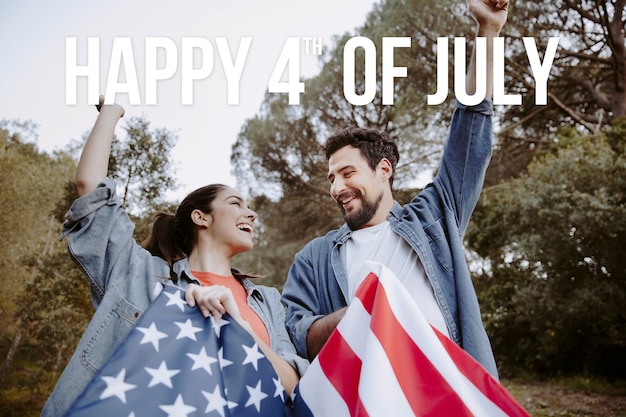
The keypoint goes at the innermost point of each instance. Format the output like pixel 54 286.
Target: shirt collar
pixel 183 271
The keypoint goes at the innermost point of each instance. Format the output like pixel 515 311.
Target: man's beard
pixel 357 218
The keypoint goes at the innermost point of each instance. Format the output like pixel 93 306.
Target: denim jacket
pixel 433 224
pixel 124 279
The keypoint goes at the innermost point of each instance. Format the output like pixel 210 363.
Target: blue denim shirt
pixel 433 224
pixel 124 279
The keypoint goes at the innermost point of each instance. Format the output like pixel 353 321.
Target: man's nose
pixel 337 187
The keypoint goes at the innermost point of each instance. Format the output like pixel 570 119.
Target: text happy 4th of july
pixel 165 50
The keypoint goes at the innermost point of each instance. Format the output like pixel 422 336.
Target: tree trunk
pixel 4 370
pixel 58 363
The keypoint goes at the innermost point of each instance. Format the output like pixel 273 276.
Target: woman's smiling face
pixel 233 220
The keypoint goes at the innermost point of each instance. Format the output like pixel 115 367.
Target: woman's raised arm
pixel 94 160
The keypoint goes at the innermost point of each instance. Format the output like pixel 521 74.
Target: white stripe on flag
pixel 380 393
pixel 319 395
pixel 414 323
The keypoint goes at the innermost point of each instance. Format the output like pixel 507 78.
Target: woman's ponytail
pixel 162 241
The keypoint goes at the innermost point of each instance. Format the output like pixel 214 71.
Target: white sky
pixel 32 66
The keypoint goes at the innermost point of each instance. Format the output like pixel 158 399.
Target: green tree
pixel 50 308
pixel 270 151
pixel 588 78
pixel 587 83
pixel 554 291
pixel 30 183
pixel 141 164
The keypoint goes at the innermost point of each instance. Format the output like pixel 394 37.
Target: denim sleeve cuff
pixel 88 203
pixel 485 107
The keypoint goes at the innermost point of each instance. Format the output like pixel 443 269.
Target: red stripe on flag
pixel 474 372
pixel 367 292
pixel 344 378
pixel 427 392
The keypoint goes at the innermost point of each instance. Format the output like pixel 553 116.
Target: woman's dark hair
pixel 173 237
pixel 373 144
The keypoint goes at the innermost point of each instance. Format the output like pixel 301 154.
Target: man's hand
pixel 490 15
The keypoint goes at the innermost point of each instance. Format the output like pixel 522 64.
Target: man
pixel 421 242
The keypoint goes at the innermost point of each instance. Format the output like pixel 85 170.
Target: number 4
pixel 289 59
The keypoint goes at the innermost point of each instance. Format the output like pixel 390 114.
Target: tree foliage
pixel 31 181
pixel 556 286
pixel 141 164
pixel 587 84
pixel 49 308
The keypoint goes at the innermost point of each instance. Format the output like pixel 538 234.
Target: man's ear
pixel 385 168
pixel 200 218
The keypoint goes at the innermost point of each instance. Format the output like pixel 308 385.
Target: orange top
pixel 241 298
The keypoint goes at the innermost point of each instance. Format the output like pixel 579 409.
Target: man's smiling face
pixel 357 189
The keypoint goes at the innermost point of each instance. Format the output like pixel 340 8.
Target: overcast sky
pixel 33 69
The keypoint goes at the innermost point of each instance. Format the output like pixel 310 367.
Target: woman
pixel 193 248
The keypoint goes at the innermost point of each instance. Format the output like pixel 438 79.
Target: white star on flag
pixel 187 330
pixel 178 409
pixel 116 386
pixel 223 362
pixel 256 395
pixel 202 361
pixel 216 401
pixel 218 324
pixel 252 355
pixel 176 300
pixel 279 390
pixel 151 335
pixel 161 375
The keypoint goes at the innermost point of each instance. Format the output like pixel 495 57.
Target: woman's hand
pixel 115 108
pixel 213 300
pixel 216 300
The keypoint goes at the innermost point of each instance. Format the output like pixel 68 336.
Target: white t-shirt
pixel 380 244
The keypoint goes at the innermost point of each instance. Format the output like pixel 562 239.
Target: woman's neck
pixel 209 261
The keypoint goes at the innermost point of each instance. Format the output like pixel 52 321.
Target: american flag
pixel 384 359
pixel 177 363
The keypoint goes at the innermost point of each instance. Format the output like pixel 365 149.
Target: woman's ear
pixel 201 219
